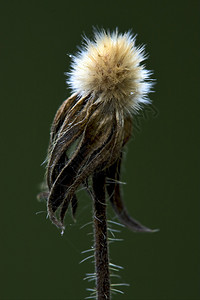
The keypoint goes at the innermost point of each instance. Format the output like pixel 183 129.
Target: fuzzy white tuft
pixel 109 68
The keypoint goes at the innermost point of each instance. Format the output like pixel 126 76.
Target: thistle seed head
pixel 92 126
pixel 109 68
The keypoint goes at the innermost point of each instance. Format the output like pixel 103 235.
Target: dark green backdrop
pixel 161 165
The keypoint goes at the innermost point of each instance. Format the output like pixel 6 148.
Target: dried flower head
pixel 109 69
pixel 109 83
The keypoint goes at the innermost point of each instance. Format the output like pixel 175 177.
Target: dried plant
pixel 89 131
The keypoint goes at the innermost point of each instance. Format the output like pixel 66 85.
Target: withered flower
pixel 109 84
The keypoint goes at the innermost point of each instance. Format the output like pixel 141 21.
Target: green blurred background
pixel 161 167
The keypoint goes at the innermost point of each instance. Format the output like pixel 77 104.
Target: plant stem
pixel 100 238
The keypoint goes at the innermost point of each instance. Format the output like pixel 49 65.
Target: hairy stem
pixel 100 237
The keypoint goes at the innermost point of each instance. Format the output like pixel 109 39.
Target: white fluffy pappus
pixel 109 68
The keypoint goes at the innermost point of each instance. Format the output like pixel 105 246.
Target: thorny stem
pixel 100 237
